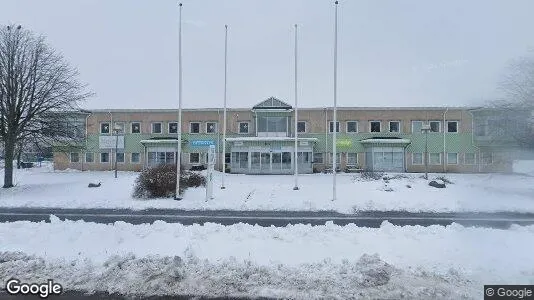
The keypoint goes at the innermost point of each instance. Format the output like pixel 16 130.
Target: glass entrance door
pixel 265 162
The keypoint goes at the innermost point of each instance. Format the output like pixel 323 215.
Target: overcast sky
pixel 391 53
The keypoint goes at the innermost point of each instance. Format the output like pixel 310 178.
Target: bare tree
pixel 37 90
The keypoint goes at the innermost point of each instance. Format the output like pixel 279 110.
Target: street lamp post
pixel 116 130
pixel 425 129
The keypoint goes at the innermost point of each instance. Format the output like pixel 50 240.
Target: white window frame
pixel 482 159
pixel 191 127
pixel 457 126
pixel 123 157
pixel 239 127
pixel 332 128
pixel 100 127
pixel 92 155
pixel 194 162
pixel 216 127
pixel 70 157
pixel 152 127
pixel 131 128
pixel 370 126
pixel 322 158
pixel 439 126
pixel 347 127
pixel 417 121
pixel 422 159
pixel 100 158
pixel 474 159
pixel 389 126
pixel 305 126
pixel 352 164
pixel 457 160
pixel 430 161
pixel 123 127
pixel 131 156
pixel 169 127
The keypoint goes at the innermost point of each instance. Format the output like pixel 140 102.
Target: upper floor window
pixel 194 127
pixel 417 126
pixel 104 128
pixel 74 157
pixel 118 128
pixel 244 127
pixel 331 126
pixel 272 124
pixel 374 126
pixel 301 126
pixel 156 127
pixel 211 127
pixel 435 126
pixel 173 127
pixel 352 126
pixel 135 127
pixel 452 126
pixel 394 126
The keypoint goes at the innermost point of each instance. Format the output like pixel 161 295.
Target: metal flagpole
pixel 334 139
pixel 179 129
pixel 296 187
pixel 223 154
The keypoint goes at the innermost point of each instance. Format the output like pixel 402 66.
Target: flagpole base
pixel 223 187
pixel 178 198
pixel 296 188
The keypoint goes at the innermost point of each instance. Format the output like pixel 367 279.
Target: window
pixel 317 158
pixel 118 128
pixel 272 124
pixel 435 126
pixel 452 158
pixel 194 158
pixel 394 126
pixel 104 128
pixel 104 157
pixel 352 159
pixel 156 127
pixel 435 158
pixel 417 126
pixel 194 127
pixel 135 158
pixel 240 159
pixel 211 127
pixel 301 126
pixel 417 158
pixel 119 157
pixel 452 126
pixel 160 158
pixel 352 126
pixel 374 126
pixel 135 127
pixel 331 158
pixel 469 158
pixel 331 126
pixel 173 127
pixel 243 127
pixel 89 157
pixel 486 158
pixel 74 157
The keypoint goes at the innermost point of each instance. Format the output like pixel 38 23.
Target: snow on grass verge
pixel 297 261
pixel 41 187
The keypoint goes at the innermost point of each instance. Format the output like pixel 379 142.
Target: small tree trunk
pixel 19 154
pixel 9 146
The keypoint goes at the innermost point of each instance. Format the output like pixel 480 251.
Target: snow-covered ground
pixel 298 261
pixel 43 187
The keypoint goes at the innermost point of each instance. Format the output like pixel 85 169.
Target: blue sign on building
pixel 202 143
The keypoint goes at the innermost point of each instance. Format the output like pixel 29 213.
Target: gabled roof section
pixel 272 103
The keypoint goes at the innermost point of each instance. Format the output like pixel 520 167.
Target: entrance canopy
pixel 386 141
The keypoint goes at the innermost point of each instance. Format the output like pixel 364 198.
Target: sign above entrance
pixel 202 143
pixel 344 143
pixel 109 141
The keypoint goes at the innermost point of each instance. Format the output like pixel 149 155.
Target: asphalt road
pixel 267 218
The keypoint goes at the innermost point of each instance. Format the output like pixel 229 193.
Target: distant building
pixel 260 140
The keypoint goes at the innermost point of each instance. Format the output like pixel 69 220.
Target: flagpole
pixel 179 129
pixel 296 187
pixel 334 139
pixel 223 154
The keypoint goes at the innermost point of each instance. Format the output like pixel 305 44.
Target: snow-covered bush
pixel 160 182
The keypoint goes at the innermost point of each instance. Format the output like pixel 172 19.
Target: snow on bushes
pixel 160 182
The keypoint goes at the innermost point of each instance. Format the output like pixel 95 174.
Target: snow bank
pixel 524 167
pixel 295 261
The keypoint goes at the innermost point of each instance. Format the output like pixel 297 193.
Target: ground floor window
pixel 417 158
pixel 89 157
pixel 194 158
pixel 135 158
pixel 74 157
pixel 434 158
pixel 452 158
pixel 352 159
pixel 160 158
pixel 304 157
pixel 317 158
pixel 469 158
pixel 486 158
pixel 104 157
pixel 240 160
pixel 119 157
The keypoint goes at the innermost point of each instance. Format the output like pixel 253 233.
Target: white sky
pixel 391 53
